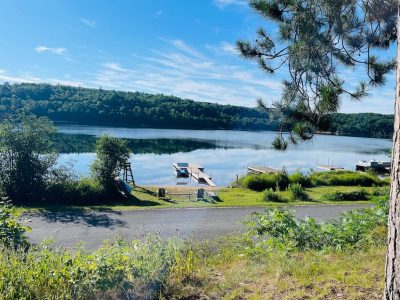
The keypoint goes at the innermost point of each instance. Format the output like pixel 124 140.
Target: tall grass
pixel 347 178
pixel 120 270
pixel 261 182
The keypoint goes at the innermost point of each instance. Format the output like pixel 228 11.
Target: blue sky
pixel 183 48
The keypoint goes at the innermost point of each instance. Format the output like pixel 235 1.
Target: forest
pixel 137 109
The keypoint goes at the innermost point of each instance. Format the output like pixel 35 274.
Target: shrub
pixel 346 196
pixel 111 156
pixel 282 181
pixel 132 270
pixel 262 182
pixel 277 227
pixel 300 178
pixel 11 228
pixel 271 196
pixel 297 192
pixel 347 178
pixel 81 192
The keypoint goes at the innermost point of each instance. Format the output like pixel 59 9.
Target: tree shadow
pixel 94 217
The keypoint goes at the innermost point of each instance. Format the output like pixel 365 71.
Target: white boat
pixel 375 165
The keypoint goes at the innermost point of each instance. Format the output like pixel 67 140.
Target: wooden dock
pixel 329 168
pixel 261 170
pixel 195 171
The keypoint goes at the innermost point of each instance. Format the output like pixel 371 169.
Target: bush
pixel 11 228
pixel 271 196
pixel 347 178
pixel 262 182
pixel 297 192
pixel 112 154
pixel 300 178
pixel 81 192
pixel 279 228
pixel 346 196
pixel 132 270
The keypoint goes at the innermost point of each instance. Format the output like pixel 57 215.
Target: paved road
pixel 93 227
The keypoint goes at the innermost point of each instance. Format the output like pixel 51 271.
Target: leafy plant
pixel 11 228
pixel 112 154
pixel 297 192
pixel 360 194
pixel 277 227
pixel 26 156
pixel 300 178
pixel 271 196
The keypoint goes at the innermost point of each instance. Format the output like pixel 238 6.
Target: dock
pixel 197 172
pixel 261 170
pixel 329 168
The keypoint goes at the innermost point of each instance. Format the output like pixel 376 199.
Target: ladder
pixel 127 174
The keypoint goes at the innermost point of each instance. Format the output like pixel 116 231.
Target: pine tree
pixel 315 41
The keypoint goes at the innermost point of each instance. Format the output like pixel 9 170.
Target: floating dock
pixel 261 170
pixel 329 168
pixel 196 171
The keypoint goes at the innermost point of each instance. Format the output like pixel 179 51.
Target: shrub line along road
pixel 67 228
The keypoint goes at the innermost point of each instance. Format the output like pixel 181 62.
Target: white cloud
pixel 223 48
pixel 6 77
pixel 89 22
pixel 183 71
pixel 223 3
pixel 58 51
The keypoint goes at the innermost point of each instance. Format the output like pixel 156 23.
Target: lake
pixel 223 153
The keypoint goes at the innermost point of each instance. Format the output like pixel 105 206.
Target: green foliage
pixel 133 109
pixel 279 228
pixel 346 178
pixel 300 178
pixel 314 40
pixel 297 192
pixel 26 156
pixel 271 196
pixel 111 155
pixel 11 228
pixel 360 194
pixel 262 182
pixel 363 124
pixel 84 191
pixel 96 106
pixel 133 270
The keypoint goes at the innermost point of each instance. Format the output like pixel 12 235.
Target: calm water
pixel 222 153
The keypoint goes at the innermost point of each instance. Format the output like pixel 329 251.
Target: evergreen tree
pixel 317 39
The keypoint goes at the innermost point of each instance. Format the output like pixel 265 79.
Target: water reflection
pixel 223 153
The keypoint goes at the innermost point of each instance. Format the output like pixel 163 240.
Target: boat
pixel 181 169
pixel 373 165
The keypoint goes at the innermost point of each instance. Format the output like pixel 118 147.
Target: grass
pixel 146 198
pixel 308 275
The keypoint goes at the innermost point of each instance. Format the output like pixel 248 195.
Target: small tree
pixel 112 154
pixel 26 156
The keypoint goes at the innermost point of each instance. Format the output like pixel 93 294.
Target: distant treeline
pixel 136 109
pixel 132 109
pixel 362 124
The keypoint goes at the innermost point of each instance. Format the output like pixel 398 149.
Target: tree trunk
pixel 392 279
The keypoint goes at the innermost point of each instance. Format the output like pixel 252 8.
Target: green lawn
pixel 146 198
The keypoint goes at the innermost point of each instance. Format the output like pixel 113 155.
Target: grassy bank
pixel 279 275
pixel 178 270
pixel 146 198
pixel 279 257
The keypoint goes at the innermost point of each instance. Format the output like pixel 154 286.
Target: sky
pixel 175 47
